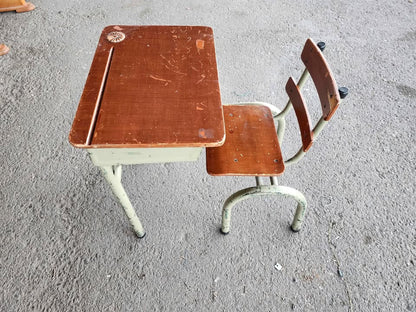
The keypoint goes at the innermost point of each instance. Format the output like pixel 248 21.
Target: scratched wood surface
pixel 251 147
pixel 156 87
pixel 322 77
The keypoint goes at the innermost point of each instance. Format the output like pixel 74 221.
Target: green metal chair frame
pixel 330 98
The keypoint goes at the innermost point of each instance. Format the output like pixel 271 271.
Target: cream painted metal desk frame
pixel 151 96
pixel 110 161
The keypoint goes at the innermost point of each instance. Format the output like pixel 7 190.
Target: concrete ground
pixel 65 242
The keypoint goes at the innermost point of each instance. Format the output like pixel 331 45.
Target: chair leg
pixel 260 191
pixel 113 176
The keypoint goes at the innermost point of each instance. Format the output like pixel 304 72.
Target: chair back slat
pixel 322 77
pixel 301 113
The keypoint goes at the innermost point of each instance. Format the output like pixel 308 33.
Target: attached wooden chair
pixel 252 145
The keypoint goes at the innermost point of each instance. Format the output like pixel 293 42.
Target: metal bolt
pixel 116 36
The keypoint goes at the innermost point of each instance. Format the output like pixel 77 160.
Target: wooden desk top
pixel 151 86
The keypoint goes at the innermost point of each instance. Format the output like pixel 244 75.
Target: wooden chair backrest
pixel 325 85
pixel 301 113
pixel 322 77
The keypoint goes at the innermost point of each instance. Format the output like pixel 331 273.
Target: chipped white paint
pixel 113 176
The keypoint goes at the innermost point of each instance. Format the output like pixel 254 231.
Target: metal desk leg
pixel 113 176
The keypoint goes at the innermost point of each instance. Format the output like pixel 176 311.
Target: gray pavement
pixel 65 242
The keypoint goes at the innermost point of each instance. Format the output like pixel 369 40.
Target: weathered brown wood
pixel 89 99
pixel 251 146
pixel 301 113
pixel 160 89
pixel 19 6
pixel 4 49
pixel 322 78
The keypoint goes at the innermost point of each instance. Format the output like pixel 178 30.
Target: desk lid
pixel 151 86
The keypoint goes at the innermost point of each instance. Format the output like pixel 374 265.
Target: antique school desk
pixel 151 96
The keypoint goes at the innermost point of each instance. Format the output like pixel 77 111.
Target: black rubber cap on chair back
pixel 343 92
pixel 321 45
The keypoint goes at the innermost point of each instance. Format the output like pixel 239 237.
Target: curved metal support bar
pixel 316 131
pixel 293 160
pixel 260 191
pixel 113 176
pixel 281 126
pixel 318 127
pixel 302 80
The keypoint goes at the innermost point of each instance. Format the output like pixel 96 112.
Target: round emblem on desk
pixel 116 36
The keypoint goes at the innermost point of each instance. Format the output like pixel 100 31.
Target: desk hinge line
pixel 100 97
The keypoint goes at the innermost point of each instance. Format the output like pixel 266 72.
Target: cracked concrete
pixel 66 244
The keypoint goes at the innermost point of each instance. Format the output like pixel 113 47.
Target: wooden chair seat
pixel 251 147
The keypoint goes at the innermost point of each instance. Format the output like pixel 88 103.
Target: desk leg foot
pixel 113 176
pixel 140 235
